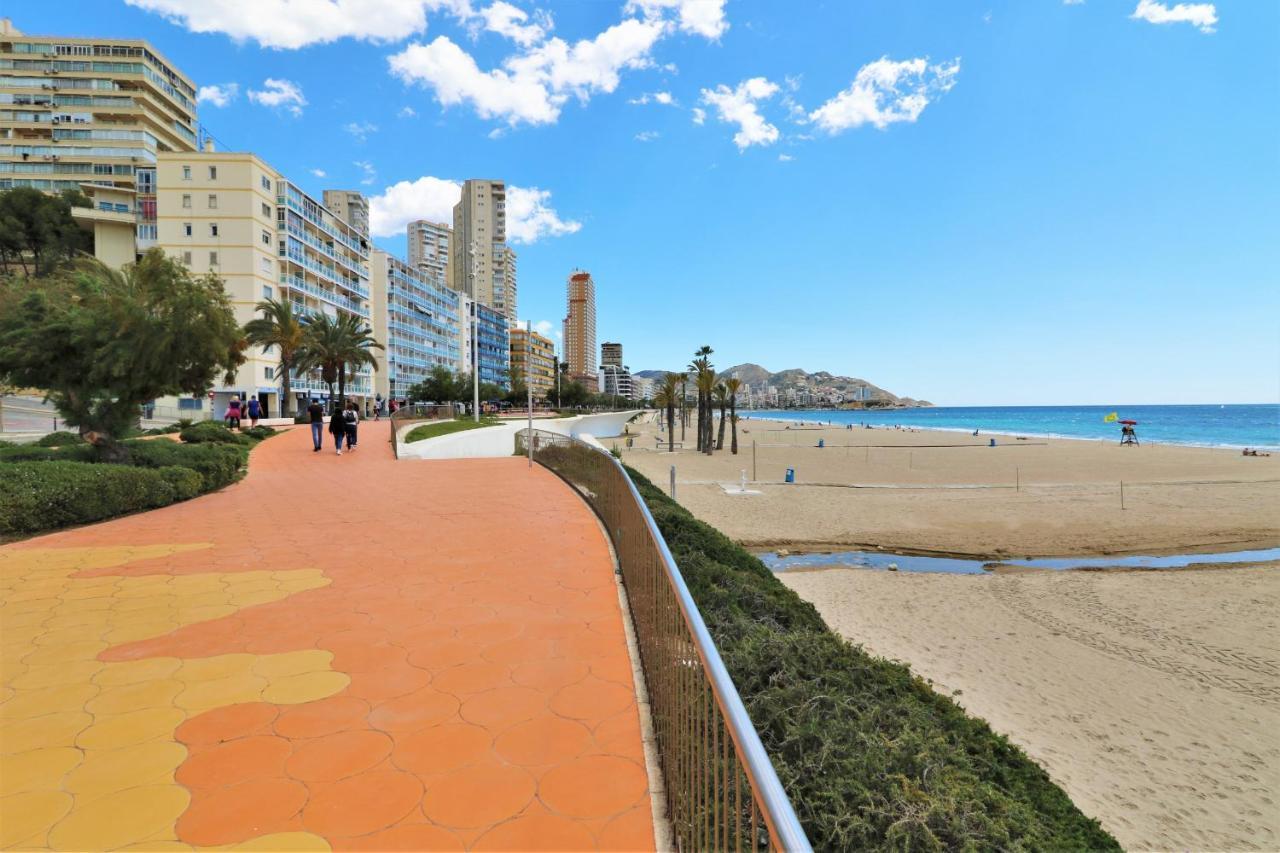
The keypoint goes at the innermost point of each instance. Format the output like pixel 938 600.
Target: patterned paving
pixel 336 653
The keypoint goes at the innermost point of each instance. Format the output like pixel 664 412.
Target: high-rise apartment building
pixel 580 328
pixel 419 322
pixel 492 344
pixel 509 286
pixel 479 248
pixel 77 111
pixel 234 215
pixel 429 250
pixel 533 359
pixel 611 354
pixel 351 207
pixel 615 380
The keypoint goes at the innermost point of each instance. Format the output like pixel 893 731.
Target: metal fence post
pixel 673 482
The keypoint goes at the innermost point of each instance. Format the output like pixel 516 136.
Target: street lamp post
pixel 475 338
pixel 528 384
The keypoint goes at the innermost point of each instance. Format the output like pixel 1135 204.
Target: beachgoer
pixel 232 417
pixel 316 411
pixel 351 419
pixel 255 411
pixel 337 428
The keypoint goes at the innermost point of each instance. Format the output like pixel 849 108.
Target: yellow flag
pixel 1111 418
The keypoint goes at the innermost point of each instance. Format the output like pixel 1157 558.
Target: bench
pixel 661 443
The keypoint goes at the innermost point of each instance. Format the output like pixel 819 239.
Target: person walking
pixel 316 412
pixel 255 411
pixel 233 413
pixel 351 419
pixel 337 428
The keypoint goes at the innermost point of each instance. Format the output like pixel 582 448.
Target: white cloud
pixel 664 98
pixel 546 328
pixel 283 94
pixel 530 216
pixel 219 95
pixel 291 24
pixel 360 129
pixel 884 92
pixel 534 85
pixel 647 135
pixel 1072 2
pixel 785 158
pixel 406 112
pixel 740 106
pixel 701 17
pixel 370 173
pixel 699 115
pixel 507 20
pixel 1202 15
pixel 319 173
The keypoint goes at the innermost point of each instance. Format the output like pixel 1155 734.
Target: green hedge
pixel 870 755
pixel 36 496
pixel 216 465
pixel 210 432
pixel 36 453
pixel 59 439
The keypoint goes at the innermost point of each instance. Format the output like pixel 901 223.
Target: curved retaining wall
pixel 500 439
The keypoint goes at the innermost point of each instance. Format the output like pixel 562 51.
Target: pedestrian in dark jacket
pixel 352 420
pixel 337 428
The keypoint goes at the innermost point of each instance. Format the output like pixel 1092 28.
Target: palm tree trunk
pixel 733 424
pixel 671 427
pixel 342 385
pixel 720 437
pixel 286 390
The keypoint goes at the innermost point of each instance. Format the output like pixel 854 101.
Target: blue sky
pixel 1030 202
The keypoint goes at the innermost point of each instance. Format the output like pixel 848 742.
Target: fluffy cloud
pixel 319 173
pixel 219 95
pixel 282 94
pixel 785 158
pixel 699 115
pixel 740 106
pixel 1202 15
pixel 647 135
pixel 507 20
pixel 532 86
pixel 360 129
pixel 406 112
pixel 530 216
pixel 664 98
pixel 701 17
pixel 884 92
pixel 370 173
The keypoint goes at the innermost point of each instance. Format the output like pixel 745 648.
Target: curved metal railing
pixel 405 415
pixel 721 789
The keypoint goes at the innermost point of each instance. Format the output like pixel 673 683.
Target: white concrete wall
pixel 500 439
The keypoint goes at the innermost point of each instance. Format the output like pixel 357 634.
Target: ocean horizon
pixel 1230 425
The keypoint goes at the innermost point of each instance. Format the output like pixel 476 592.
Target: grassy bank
pixel 433 430
pixel 870 755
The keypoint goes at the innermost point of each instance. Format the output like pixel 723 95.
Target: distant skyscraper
pixel 580 328
pixel 429 250
pixel 350 206
pixel 611 354
pixel 479 247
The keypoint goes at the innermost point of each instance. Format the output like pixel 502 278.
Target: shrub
pixel 870 755
pixel 36 496
pixel 209 432
pixel 217 465
pixel 185 482
pixel 36 453
pixel 59 439
pixel 258 433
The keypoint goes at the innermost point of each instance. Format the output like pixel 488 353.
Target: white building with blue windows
pixel 419 322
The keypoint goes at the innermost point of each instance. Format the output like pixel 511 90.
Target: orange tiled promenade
pixel 341 652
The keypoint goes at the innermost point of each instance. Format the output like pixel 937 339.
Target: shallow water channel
pixel 881 561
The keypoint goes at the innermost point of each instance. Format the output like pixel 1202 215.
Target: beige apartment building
pixel 533 359
pixel 350 206
pixel 79 111
pixel 232 214
pixel 580 328
pixel 429 250
pixel 481 261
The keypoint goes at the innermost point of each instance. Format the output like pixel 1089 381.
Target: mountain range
pixel 795 378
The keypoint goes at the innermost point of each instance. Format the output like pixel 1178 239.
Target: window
pixel 186 258
pixel 266 238
pixel 266 292
pixel 213 259
pixel 190 403
pixel 266 210
pixel 186 200
pixel 213 201
pixel 213 173
pixel 266 184
pixel 186 229
pixel 213 229
pixel 186 173
pixel 269 372
pixel 265 265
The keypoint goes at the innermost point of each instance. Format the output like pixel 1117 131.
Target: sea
pixel 1237 426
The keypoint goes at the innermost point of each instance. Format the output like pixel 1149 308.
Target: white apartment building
pixel 429 250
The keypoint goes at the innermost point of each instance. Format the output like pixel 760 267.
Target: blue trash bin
pixel 992 444
pixel 821 442
pixel 791 475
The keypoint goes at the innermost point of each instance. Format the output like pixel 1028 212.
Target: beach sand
pixel 1040 497
pixel 1153 698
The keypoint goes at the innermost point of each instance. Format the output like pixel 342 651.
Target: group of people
pixel 237 411
pixel 344 423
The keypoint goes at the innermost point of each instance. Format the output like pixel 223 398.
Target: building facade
pixel 419 322
pixel 479 247
pixel 429 250
pixel 234 215
pixel 492 342
pixel 533 359
pixel 611 354
pixel 615 380
pixel 351 207
pixel 580 328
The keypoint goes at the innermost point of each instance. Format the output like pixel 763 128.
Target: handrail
pixel 703 801
pixel 408 414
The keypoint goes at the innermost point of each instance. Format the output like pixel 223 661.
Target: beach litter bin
pixel 791 475
pixel 992 444
pixel 821 442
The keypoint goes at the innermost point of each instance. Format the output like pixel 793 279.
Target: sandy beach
pixel 1153 698
pixel 946 492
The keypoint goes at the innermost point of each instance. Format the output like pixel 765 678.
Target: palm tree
pixel 722 400
pixel 334 343
pixel 666 397
pixel 706 387
pixel 698 367
pixel 733 386
pixel 279 327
